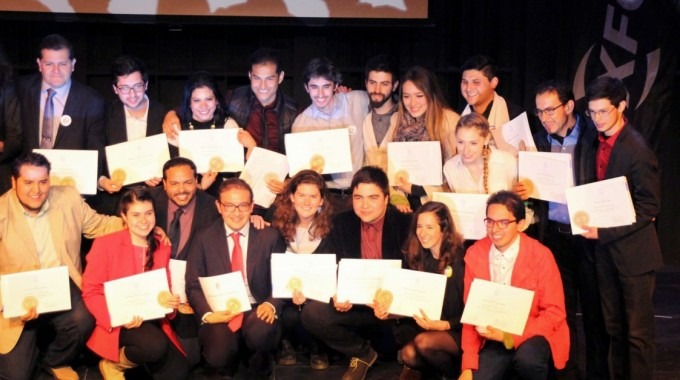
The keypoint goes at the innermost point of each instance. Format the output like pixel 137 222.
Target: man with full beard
pixel 381 78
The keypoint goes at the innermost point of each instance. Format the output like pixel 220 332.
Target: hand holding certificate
pixel 46 290
pixel 313 275
pixel 143 295
pixel 358 279
pixel 262 165
pixel 213 150
pixel 137 160
pixel 468 212
pixel 500 306
pixel 600 204
pixel 226 292
pixel 517 133
pixel 325 152
pixel 411 291
pixel 77 168
pixel 418 162
pixel 548 174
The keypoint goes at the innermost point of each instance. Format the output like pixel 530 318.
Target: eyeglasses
pixel 243 207
pixel 601 113
pixel 502 223
pixel 139 87
pixel 547 111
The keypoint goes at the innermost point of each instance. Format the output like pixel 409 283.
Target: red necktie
pixel 236 265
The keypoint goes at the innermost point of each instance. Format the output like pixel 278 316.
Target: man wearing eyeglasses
pixel 508 257
pixel 58 112
pixel 626 257
pixel 233 244
pixel 131 116
pixel 566 131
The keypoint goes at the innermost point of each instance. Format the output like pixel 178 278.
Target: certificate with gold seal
pixel 547 174
pixel 314 275
pixel 216 150
pixel 325 151
pixel 410 291
pixel 137 160
pixel 418 162
pixel 358 279
pixel 600 204
pixel 70 167
pixel 45 289
pixel 225 292
pixel 137 295
pixel 262 165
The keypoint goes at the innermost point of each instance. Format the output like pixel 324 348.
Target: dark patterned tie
pixel 46 141
pixel 175 232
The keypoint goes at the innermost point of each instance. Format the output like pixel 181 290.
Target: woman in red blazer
pixel 121 254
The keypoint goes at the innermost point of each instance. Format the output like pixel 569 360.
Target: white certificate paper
pixel 600 204
pixel 178 284
pixel 468 212
pixel 77 168
pixel 314 275
pixel 517 133
pixel 136 295
pixel 262 165
pixel 225 291
pixel 48 289
pixel 358 279
pixel 216 150
pixel 138 160
pixel 549 173
pixel 500 306
pixel 413 290
pixel 419 161
pixel 325 151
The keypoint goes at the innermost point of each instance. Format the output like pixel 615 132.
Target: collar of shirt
pixel 62 92
pixel 339 102
pixel 146 113
pixel 376 226
pixel 43 210
pixel 609 140
pixel 256 105
pixel 510 254
pixel 188 209
pixel 570 139
pixel 243 231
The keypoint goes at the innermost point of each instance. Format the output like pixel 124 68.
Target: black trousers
pixel 148 345
pixel 532 360
pixel 71 330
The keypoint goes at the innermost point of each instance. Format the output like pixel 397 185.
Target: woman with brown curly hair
pixel 431 344
pixel 303 217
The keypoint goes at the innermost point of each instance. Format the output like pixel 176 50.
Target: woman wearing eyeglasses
pixel 303 217
pixel 431 343
pixel 132 251
pixel 477 168
pixel 508 257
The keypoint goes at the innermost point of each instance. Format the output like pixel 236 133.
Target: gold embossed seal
pixel 216 164
pixel 233 305
pixel 29 302
pixel 384 297
pixel 164 298
pixel 118 176
pixel 294 284
pixel 581 218
pixel 317 163
pixel 401 176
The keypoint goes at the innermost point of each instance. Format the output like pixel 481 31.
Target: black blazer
pixel 85 107
pixel 345 234
pixel 205 213
pixel 114 122
pixel 209 256
pixel 635 248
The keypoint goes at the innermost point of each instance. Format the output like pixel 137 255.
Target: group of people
pixel 210 221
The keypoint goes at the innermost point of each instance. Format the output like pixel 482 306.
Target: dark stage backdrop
pixel 532 40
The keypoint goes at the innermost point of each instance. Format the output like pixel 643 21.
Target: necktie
pixel 174 232
pixel 236 265
pixel 46 141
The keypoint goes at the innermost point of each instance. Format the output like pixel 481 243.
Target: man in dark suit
pixel 75 114
pixel 374 229
pixel 182 210
pixel 626 257
pixel 229 245
pixel 131 116
pixel 566 131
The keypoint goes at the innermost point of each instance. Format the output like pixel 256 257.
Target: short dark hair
pixel 178 161
pixel 609 88
pixel 510 200
pixel 482 63
pixel 265 55
pixel 371 175
pixel 126 65
pixel 560 87
pixel 55 42
pixel 32 159
pixel 235 183
pixel 197 80
pixel 381 63
pixel 321 68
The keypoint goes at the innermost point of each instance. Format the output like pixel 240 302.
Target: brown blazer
pixel 69 218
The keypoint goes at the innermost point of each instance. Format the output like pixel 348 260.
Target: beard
pixel 382 101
